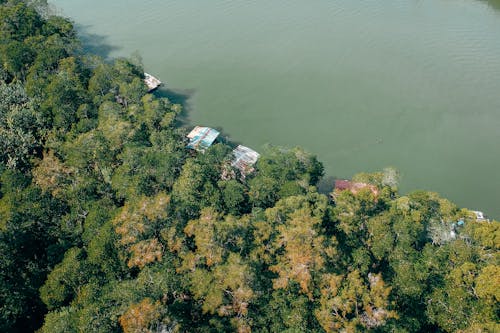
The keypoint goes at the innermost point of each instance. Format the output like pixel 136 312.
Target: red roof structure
pixel 342 184
pixel 354 187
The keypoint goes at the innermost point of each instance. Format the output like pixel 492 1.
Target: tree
pixel 283 172
pixel 20 129
pixel 287 311
pixel 235 196
pixel 219 277
pixel 16 58
pixel 64 280
pixel 101 83
pixel 31 242
pixel 19 21
pixel 348 304
pixel 65 92
pixel 141 316
pixel 136 226
pixel 52 175
pixel 197 185
pixel 303 250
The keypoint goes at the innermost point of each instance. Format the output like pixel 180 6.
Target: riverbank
pixel 299 75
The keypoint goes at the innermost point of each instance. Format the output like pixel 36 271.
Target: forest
pixel 109 224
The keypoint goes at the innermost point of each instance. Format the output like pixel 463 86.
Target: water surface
pixel 362 84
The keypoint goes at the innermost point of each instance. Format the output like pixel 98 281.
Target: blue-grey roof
pixel 202 137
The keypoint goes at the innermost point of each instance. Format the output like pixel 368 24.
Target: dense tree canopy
pixel 109 224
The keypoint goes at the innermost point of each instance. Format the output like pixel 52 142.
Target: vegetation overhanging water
pixel 110 223
pixel 364 85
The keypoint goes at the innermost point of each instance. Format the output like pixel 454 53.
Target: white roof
pixel 151 81
pixel 244 158
pixel 479 214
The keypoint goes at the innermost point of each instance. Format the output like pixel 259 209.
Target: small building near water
pixel 244 159
pixel 480 216
pixel 151 82
pixel 354 187
pixel 200 138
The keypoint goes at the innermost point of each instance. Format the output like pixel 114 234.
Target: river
pixel 362 84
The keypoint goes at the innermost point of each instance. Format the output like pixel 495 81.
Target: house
pixel 200 138
pixel 354 187
pixel 342 185
pixel 151 82
pixel 244 159
pixel 480 215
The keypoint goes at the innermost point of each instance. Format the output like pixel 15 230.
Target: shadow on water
pixel 326 185
pixel 94 43
pixel 184 97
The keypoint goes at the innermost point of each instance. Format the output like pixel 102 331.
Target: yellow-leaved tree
pixel 350 303
pixel 219 277
pixel 136 226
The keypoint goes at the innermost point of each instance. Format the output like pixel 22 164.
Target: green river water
pixel 362 84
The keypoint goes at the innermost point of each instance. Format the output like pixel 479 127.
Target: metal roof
pixel 151 82
pixel 244 159
pixel 202 137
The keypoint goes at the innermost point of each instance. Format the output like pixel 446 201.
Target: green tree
pixel 64 280
pixel 219 277
pixel 66 92
pixel 19 127
pixel 30 243
pixel 16 58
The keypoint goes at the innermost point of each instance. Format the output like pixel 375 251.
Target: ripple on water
pixel 423 76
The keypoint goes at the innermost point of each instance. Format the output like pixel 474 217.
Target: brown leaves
pixel 145 252
pixel 136 220
pixel 139 317
pixel 135 225
pixel 225 289
pixel 347 303
pixel 297 243
pixel 203 230
pixel 219 278
pixel 52 175
pixel 303 251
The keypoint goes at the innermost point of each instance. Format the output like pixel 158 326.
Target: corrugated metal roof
pixel 354 187
pixel 342 184
pixel 202 137
pixel 244 159
pixel 151 82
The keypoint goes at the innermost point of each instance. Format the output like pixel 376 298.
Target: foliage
pixel 109 224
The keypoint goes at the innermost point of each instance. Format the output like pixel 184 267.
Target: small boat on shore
pixel 151 82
